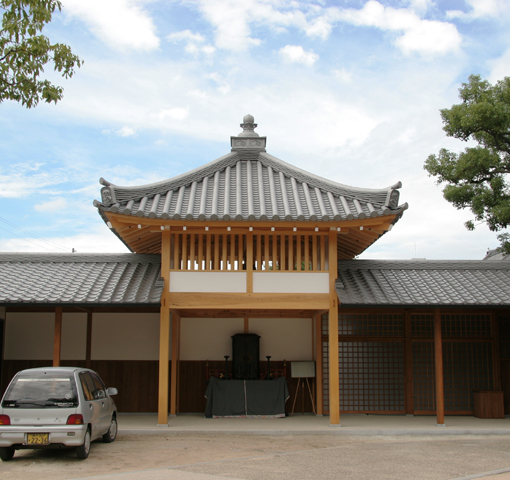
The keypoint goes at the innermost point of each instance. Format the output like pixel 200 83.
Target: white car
pixel 56 407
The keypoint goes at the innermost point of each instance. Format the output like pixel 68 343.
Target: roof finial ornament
pixel 248 127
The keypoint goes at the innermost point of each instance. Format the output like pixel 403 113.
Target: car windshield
pixel 41 390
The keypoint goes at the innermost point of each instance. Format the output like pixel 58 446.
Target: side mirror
pixel 111 391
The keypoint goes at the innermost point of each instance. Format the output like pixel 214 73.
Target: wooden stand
pixel 302 385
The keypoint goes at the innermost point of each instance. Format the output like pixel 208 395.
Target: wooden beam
pixel 291 301
pixel 244 313
pixel 382 223
pixel 88 354
pixel 175 361
pixel 334 385
pixel 57 337
pixel 318 363
pixel 438 356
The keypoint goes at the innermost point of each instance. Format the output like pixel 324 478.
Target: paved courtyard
pixel 173 453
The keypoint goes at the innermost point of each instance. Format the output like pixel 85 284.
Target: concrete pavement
pixel 314 425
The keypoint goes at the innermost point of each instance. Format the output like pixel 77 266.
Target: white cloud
pixel 51 205
pixel 343 75
pixel 186 35
pixel 481 9
pixel 125 132
pixel 194 42
pixel 500 67
pixel 233 20
pixel 122 24
pixel 413 33
pixel 223 84
pixel 173 113
pixel 296 54
pixel 101 240
pixel 20 180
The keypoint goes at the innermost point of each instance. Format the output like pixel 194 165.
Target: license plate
pixel 38 438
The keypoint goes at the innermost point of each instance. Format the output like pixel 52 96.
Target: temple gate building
pixel 251 244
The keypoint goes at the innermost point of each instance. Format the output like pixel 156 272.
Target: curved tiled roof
pixel 249 185
pixel 422 282
pixel 86 279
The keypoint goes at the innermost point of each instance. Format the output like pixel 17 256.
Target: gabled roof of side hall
pixel 249 184
pixel 80 279
pixel 424 283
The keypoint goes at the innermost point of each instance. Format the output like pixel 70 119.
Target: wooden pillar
pixel 334 386
pixel 88 354
pixel 438 355
pixel 408 365
pixel 318 362
pixel 175 364
pixel 57 337
pixel 246 325
pixel 164 331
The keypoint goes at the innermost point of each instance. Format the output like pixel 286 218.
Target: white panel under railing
pixel 203 282
pixel 280 282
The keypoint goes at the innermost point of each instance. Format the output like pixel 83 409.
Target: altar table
pixel 246 398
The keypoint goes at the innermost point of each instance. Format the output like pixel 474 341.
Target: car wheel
pixel 82 452
pixel 6 453
pixel 111 434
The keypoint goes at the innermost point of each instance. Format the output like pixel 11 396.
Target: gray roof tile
pixel 249 185
pixel 421 282
pixel 30 278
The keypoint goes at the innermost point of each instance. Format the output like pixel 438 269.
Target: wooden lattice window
pixel 371 325
pixel 466 325
pixel 504 336
pixel 371 377
pixel 422 325
pixel 467 366
pixel 424 382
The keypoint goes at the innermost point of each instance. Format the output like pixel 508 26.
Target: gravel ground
pixel 251 457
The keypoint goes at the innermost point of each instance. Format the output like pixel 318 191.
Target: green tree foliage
pixel 477 178
pixel 24 52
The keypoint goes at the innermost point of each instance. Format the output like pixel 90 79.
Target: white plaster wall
pixel 284 338
pixel 208 338
pixel 280 282
pixel 74 336
pixel 224 282
pixel 125 336
pixel 29 336
pixel 115 336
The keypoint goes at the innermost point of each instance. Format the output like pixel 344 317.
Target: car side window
pixel 99 390
pixel 87 385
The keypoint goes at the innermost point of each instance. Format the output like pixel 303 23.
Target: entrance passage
pixel 386 362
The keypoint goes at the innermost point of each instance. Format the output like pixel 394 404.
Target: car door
pixel 104 401
pixel 92 409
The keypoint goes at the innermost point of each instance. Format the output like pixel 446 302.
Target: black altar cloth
pixel 246 398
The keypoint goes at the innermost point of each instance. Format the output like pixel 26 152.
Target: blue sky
pixel 350 90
